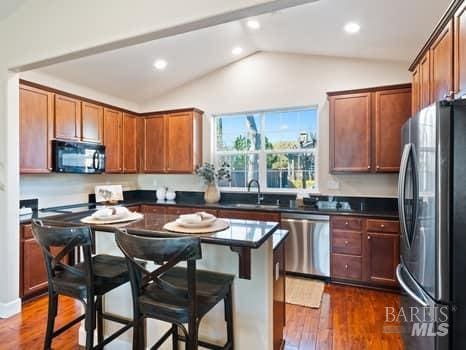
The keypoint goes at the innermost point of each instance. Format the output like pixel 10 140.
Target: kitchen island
pixel 245 250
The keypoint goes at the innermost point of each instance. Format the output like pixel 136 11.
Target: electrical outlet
pixel 333 185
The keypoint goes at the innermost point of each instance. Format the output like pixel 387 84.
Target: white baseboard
pixel 10 309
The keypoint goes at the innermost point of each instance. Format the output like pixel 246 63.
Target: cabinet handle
pixel 368 237
pixel 382 225
pixel 346 267
pixel 346 223
pixel 378 166
pixel 368 167
pixel 346 242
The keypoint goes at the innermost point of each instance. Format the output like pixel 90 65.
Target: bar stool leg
pixel 229 319
pixel 175 337
pixel 100 320
pixel 51 314
pixel 90 323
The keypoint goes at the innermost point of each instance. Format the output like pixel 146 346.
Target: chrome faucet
pixel 260 198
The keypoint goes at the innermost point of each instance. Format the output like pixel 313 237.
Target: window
pixel 276 147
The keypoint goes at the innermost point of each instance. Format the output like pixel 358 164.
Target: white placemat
pixel 94 221
pixel 217 225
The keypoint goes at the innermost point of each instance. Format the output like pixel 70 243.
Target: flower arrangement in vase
pixel 211 177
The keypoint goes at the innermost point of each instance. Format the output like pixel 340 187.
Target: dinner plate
pixel 203 223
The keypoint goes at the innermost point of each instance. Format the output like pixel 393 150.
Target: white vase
pixel 212 193
pixel 160 194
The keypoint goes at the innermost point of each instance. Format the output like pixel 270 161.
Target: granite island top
pixel 241 233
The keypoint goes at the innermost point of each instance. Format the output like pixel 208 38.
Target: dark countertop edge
pixel 279 237
pixel 63 218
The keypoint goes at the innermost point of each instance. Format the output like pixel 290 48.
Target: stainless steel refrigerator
pixel 432 207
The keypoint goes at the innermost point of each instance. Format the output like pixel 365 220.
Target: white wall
pixel 47 31
pixel 276 80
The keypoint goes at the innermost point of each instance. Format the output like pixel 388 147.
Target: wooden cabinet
pixel 36 130
pixel 154 209
pixel 441 56
pixel 67 118
pixel 154 144
pixel 364 251
pixel 249 215
pixel 392 110
pixel 92 122
pixel 425 81
pixel 130 163
pixel 279 301
pixel 112 141
pixel 350 133
pixel 459 51
pixel 365 128
pixel 172 142
pixel 415 96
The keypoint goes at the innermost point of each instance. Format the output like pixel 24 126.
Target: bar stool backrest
pixel 166 252
pixel 68 239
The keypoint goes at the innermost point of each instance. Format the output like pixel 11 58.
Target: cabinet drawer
pixel 180 210
pixel 383 226
pixel 346 267
pixel 154 209
pixel 346 242
pixel 347 223
pixel 249 215
pixel 27 231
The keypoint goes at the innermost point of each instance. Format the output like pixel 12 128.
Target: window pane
pixel 244 167
pixel 291 170
pixel 295 129
pixel 238 133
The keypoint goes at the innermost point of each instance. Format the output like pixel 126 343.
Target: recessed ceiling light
pixel 352 27
pixel 160 64
pixel 253 24
pixel 237 51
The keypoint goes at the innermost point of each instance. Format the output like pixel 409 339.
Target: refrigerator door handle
pixel 408 290
pixel 401 187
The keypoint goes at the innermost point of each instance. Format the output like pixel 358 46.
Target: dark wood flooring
pixel 349 318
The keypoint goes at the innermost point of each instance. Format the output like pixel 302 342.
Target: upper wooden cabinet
pixel 350 132
pixel 459 50
pixel 36 129
pixel 441 55
pixel 365 128
pixel 92 122
pixel 113 121
pixel 392 110
pixel 67 118
pixel 416 89
pixel 172 142
pixel 129 134
pixel 425 81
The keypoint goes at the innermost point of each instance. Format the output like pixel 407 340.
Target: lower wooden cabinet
pixel 279 301
pixel 249 215
pixel 365 251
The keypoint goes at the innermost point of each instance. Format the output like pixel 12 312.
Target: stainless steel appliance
pixel 432 209
pixel 308 244
pixel 78 157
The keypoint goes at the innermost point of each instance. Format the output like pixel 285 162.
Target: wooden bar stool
pixel 86 281
pixel 172 294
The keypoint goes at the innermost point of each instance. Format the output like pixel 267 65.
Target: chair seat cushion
pixel 161 304
pixel 109 272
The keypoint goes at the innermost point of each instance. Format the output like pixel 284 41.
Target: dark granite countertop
pixel 241 233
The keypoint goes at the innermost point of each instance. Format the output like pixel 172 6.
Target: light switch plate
pixel 333 185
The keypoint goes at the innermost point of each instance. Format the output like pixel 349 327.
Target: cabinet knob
pixel 346 242
pixel 368 167
pixel 346 223
pixel 378 166
pixel 450 95
pixel 346 267
pixel 368 237
pixel 382 225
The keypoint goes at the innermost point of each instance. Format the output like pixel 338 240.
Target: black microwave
pixel 78 157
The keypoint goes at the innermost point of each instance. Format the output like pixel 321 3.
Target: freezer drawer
pixel 308 244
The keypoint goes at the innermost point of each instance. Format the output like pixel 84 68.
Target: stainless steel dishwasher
pixel 308 244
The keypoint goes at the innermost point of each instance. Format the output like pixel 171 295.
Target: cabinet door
pixel 67 118
pixel 441 56
pixel 278 296
pixel 154 145
pixel 129 144
pixel 382 256
pixel 460 51
pixel 34 272
pixel 415 97
pixel 350 133
pixel 36 130
pixel 425 82
pixel 179 143
pixel 392 110
pixel 112 141
pixel 92 123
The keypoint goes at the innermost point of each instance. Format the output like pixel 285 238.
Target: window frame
pixel 262 166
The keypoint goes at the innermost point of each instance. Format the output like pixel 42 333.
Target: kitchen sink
pixel 255 206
